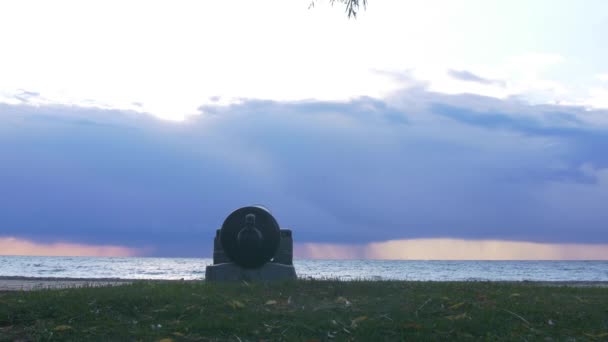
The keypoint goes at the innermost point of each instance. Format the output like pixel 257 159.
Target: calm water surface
pixel 178 268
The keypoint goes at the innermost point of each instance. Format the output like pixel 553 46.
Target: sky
pixel 419 130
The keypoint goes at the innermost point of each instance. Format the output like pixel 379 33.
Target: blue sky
pixel 463 120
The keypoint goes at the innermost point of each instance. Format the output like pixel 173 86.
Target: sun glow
pixel 453 249
pixel 15 246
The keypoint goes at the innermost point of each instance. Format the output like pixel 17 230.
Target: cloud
pixel 25 96
pixel 453 249
pixel 598 97
pixel 15 246
pixel 467 76
pixel 416 165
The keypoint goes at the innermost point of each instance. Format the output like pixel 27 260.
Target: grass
pixel 307 310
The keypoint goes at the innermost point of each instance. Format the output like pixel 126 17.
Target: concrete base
pixel 232 272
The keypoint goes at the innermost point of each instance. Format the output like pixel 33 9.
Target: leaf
pixel 62 328
pixel 602 335
pixel 168 339
pixel 457 317
pixel 271 302
pixel 342 300
pixel 514 295
pixel 412 325
pixel 235 304
pixel 356 321
pixel 178 334
pixel 456 306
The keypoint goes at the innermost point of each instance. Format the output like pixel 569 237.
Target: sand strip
pixel 29 284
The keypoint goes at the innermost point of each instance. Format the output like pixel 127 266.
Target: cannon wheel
pixel 267 225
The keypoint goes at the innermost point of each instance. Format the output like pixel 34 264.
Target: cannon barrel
pixel 250 236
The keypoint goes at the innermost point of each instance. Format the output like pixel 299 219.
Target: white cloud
pixel 171 58
pixel 598 97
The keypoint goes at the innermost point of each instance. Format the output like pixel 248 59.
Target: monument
pixel 251 246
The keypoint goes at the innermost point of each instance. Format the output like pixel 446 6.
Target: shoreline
pixel 20 283
pixel 15 283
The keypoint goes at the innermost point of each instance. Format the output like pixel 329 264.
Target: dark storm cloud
pixel 418 165
pixel 588 141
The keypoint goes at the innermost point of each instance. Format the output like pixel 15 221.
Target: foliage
pixel 352 6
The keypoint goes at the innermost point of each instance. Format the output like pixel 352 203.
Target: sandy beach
pixel 30 284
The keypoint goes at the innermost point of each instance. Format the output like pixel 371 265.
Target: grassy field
pixel 307 310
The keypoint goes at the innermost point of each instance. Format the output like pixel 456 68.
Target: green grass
pixel 307 310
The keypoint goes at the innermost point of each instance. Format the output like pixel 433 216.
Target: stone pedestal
pixel 232 272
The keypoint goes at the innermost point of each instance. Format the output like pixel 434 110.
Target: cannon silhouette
pixel 251 246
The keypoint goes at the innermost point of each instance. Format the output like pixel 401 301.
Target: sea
pixel 192 269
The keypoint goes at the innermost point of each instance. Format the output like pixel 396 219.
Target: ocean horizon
pixel 413 270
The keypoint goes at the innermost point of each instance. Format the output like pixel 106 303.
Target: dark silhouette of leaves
pixel 351 6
